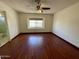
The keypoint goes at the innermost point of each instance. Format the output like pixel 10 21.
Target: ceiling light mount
pixel 39 8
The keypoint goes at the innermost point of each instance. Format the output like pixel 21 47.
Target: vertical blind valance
pixel 35 18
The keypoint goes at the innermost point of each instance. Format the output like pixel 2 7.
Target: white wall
pixel 23 22
pixel 66 24
pixel 12 19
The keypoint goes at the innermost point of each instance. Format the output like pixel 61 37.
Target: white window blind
pixel 35 23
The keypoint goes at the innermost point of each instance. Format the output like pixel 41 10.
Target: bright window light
pixel 36 23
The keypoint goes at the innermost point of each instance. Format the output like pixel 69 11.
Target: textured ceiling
pixel 29 6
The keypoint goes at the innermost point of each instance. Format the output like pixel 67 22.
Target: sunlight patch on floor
pixel 35 40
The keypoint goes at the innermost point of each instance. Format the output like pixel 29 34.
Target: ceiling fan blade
pixel 45 8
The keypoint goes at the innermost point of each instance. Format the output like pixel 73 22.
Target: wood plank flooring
pixel 38 46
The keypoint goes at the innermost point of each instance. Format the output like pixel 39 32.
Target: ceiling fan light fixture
pixel 40 11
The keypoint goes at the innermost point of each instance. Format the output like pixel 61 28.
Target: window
pixel 35 23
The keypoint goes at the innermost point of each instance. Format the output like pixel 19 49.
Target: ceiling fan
pixel 38 7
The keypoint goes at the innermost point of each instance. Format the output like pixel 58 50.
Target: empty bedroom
pixel 39 29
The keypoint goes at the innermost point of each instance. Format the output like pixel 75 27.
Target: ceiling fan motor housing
pixel 38 7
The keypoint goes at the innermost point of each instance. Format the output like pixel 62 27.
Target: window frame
pixel 43 19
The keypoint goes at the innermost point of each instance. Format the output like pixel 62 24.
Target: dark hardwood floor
pixel 38 46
